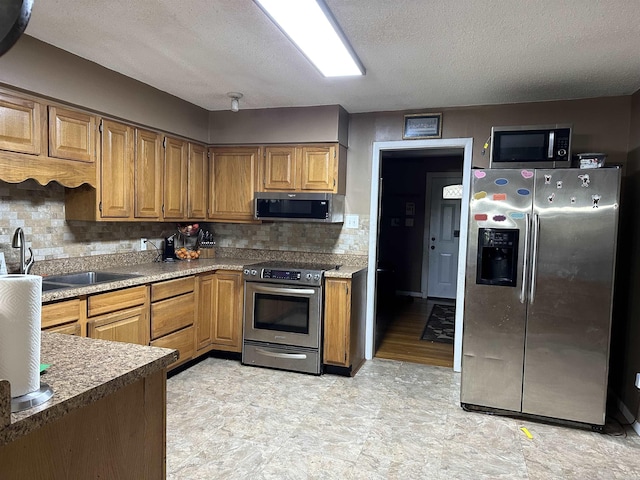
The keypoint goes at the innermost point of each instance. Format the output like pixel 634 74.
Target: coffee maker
pixel 169 250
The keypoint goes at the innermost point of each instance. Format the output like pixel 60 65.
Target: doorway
pixel 379 148
pixel 417 255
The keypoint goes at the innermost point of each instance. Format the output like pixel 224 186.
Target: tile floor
pixel 394 420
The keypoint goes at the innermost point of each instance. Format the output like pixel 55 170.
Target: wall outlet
pixel 351 221
pixel 143 244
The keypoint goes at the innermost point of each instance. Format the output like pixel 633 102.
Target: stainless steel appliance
pixel 299 207
pixel 540 146
pixel 538 294
pixel 283 315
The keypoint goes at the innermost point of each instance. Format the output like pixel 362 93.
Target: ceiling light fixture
pixel 235 96
pixel 311 27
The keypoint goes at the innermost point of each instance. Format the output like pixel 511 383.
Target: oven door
pixel 282 314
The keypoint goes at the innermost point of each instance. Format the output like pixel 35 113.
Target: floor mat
pixel 441 324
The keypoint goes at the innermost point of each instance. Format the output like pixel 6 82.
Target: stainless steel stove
pixel 283 306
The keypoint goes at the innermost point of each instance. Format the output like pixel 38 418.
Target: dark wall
pixel 401 246
pixel 625 347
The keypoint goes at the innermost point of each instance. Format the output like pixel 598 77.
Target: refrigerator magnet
pixel 479 173
pixel 551 197
pixel 480 195
pixel 524 192
pixel 501 181
pixel 595 199
pixel 559 184
pixel 499 218
pixel 480 217
pixel 572 200
pixel 547 179
pixel 526 174
pixel 586 181
pixel 516 215
pixel 499 196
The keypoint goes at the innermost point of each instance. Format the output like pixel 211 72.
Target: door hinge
pixel 334 183
pixel 100 207
pixel 347 288
pixel 100 126
pixel 345 358
pixel 164 142
pixel 163 209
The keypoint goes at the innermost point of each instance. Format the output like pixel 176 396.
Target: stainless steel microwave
pixel 539 146
pixel 299 207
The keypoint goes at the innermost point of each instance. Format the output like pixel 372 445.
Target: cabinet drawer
pixel 116 300
pixel 172 314
pixel 172 288
pixel 69 329
pixel 62 312
pixel 182 340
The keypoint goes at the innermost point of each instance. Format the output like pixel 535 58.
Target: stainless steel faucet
pixel 18 242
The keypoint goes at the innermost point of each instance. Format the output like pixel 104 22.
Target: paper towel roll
pixel 20 311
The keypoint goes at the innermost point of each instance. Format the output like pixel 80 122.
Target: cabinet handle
pixel 267 353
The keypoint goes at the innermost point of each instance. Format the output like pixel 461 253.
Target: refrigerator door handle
pixel 525 259
pixel 534 257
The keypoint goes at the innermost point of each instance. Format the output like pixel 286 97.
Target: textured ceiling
pixel 418 53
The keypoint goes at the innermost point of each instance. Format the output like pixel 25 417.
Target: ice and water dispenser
pixel 497 256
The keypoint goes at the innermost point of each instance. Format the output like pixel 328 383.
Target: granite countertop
pixel 159 271
pixel 82 371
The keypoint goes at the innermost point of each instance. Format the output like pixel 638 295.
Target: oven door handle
pixel 267 353
pixel 285 291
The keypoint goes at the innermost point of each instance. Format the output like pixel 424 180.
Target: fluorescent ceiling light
pixel 311 27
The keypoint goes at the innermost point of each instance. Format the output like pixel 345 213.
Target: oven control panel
pixel 275 275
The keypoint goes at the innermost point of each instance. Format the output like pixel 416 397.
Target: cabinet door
pixel 318 168
pixel 337 314
pixel 204 316
pixel 72 135
pixel 226 311
pixel 279 170
pixel 116 171
pixel 175 179
pixel 232 183
pixel 198 182
pixel 68 329
pixel 129 326
pixel 148 175
pixel 20 125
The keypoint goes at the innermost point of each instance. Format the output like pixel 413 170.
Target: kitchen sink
pixel 82 279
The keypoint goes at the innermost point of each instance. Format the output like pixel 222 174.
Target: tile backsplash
pixel 39 210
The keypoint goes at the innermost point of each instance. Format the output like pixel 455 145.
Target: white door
pixel 443 239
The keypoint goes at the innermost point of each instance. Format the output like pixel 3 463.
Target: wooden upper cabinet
pixel 232 183
pixel 318 168
pixel 279 169
pixel 175 179
pixel 148 164
pixel 198 184
pixel 116 172
pixel 303 168
pixel 72 134
pixel 20 127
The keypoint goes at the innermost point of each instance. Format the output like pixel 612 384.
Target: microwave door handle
pixel 283 290
pixel 552 146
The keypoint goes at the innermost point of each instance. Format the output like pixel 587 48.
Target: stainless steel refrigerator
pixel 538 292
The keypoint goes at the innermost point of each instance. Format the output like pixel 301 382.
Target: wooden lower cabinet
pixel 69 329
pixel 124 326
pixel 173 307
pixel 182 340
pixel 219 318
pixel 120 315
pixel 64 317
pixel 344 322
